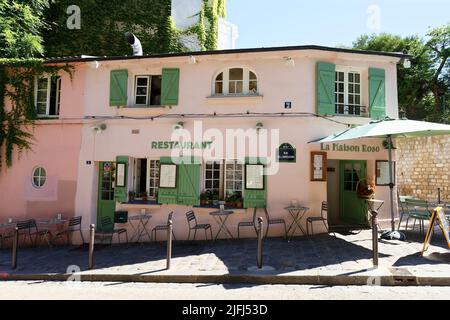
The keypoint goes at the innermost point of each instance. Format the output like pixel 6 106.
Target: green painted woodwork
pixel 325 79
pixel 377 93
pixel 170 86
pixel 255 198
pixel 120 193
pixel 352 208
pixel 118 87
pixel 106 204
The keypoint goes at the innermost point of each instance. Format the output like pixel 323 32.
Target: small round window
pixel 39 176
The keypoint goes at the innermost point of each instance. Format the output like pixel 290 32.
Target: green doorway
pixel 351 206
pixel 106 204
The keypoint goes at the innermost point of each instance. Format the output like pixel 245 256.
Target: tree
pixel 423 89
pixel 21 24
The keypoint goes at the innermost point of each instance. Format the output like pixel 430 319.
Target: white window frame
pixel 346 71
pixel 226 82
pixel 49 87
pixel 149 78
pixel 41 178
pixel 223 181
pixel 147 180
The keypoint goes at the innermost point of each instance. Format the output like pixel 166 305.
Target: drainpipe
pixel 135 43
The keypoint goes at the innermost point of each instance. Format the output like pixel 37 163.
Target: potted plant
pixel 215 198
pixel 204 198
pixel 131 196
pixel 230 200
pixel 239 202
pixel 365 189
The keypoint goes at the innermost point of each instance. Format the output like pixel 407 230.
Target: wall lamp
pixel 289 62
pixel 192 60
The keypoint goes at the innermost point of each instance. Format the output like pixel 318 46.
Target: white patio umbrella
pixel 389 128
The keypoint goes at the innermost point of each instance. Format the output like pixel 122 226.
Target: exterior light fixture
pixel 192 60
pixel 259 126
pixel 99 128
pixel 289 62
pixel 178 126
pixel 407 63
pixel 94 64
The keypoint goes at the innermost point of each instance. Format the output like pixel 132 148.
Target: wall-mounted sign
pixel 181 145
pixel 342 147
pixel 382 172
pixel 286 153
pixel 254 176
pixel 168 176
pixel 120 174
pixel 288 105
pixel 318 166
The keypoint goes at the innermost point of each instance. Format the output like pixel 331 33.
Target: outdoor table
pixel 139 227
pixel 297 213
pixel 221 217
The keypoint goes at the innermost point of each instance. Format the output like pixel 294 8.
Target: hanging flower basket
pixel 365 189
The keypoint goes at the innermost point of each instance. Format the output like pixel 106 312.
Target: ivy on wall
pixel 17 78
pixel 104 22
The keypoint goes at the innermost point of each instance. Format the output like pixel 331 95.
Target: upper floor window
pixel 48 95
pixel 348 93
pixel 147 91
pixel 236 81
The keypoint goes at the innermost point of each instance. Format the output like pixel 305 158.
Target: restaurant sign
pixel 342 147
pixel 181 145
pixel 286 153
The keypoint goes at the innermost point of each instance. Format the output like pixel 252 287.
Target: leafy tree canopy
pixel 423 89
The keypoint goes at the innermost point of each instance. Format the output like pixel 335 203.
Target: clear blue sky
pixel 266 23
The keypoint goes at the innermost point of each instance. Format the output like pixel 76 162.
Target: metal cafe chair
pixel 164 227
pixel 274 221
pixel 402 208
pixel 74 226
pixel 193 225
pixel 107 230
pixel 417 210
pixel 310 220
pixel 28 229
pixel 248 223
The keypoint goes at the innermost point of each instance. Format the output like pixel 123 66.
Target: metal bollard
pixel 439 195
pixel 260 237
pixel 169 243
pixel 14 248
pixel 374 218
pixel 91 246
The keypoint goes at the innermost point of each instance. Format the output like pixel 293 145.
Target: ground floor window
pixel 146 179
pixel 222 180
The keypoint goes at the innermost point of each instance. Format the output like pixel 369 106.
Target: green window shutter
pixel 120 193
pixel 170 86
pixel 377 93
pixel 118 87
pixel 168 195
pixel 325 78
pixel 255 198
pixel 189 184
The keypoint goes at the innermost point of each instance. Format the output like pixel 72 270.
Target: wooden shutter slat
pixel 170 86
pixel 325 79
pixel 118 88
pixel 377 93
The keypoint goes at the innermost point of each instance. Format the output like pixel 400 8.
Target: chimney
pixel 135 43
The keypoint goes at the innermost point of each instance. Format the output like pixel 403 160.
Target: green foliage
pixel 21 23
pixel 423 89
pixel 16 85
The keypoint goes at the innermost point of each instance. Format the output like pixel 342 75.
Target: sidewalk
pixel 319 260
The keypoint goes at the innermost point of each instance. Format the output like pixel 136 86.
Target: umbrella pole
pixel 391 183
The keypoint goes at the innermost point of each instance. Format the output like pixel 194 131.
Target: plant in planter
pixel 215 198
pixel 239 202
pixel 204 198
pixel 230 200
pixel 365 189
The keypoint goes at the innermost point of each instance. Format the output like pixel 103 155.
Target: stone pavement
pixel 325 259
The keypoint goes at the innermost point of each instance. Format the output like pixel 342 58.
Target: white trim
pixel 347 70
pixel 40 176
pixel 226 82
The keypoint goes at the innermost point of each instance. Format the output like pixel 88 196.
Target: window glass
pixel 236 83
pixel 148 90
pixel 236 74
pixel 48 103
pixel 348 93
pixel 155 93
pixel 39 177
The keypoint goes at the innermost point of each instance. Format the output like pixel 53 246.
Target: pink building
pixel 182 132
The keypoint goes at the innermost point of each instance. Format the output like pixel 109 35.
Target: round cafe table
pixel 221 217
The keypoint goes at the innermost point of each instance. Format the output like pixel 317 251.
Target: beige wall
pixel 423 167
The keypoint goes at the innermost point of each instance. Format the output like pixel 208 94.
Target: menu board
pixel 382 173
pixel 120 175
pixel 254 176
pixel 439 216
pixel 318 166
pixel 168 176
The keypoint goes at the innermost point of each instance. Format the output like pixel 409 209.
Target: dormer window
pixel 236 81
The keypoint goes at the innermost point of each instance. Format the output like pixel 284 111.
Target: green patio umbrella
pixel 389 128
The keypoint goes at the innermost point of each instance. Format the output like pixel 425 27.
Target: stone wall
pixel 423 166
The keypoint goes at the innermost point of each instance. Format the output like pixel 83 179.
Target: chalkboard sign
pixel 286 153
pixel 439 216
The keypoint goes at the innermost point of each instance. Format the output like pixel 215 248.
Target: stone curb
pixel 327 280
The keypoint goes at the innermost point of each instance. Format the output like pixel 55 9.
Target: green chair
pixel 417 210
pixel 401 200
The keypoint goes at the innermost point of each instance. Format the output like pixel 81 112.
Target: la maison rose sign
pixel 342 147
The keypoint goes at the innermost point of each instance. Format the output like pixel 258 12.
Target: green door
pixel 351 206
pixel 106 204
